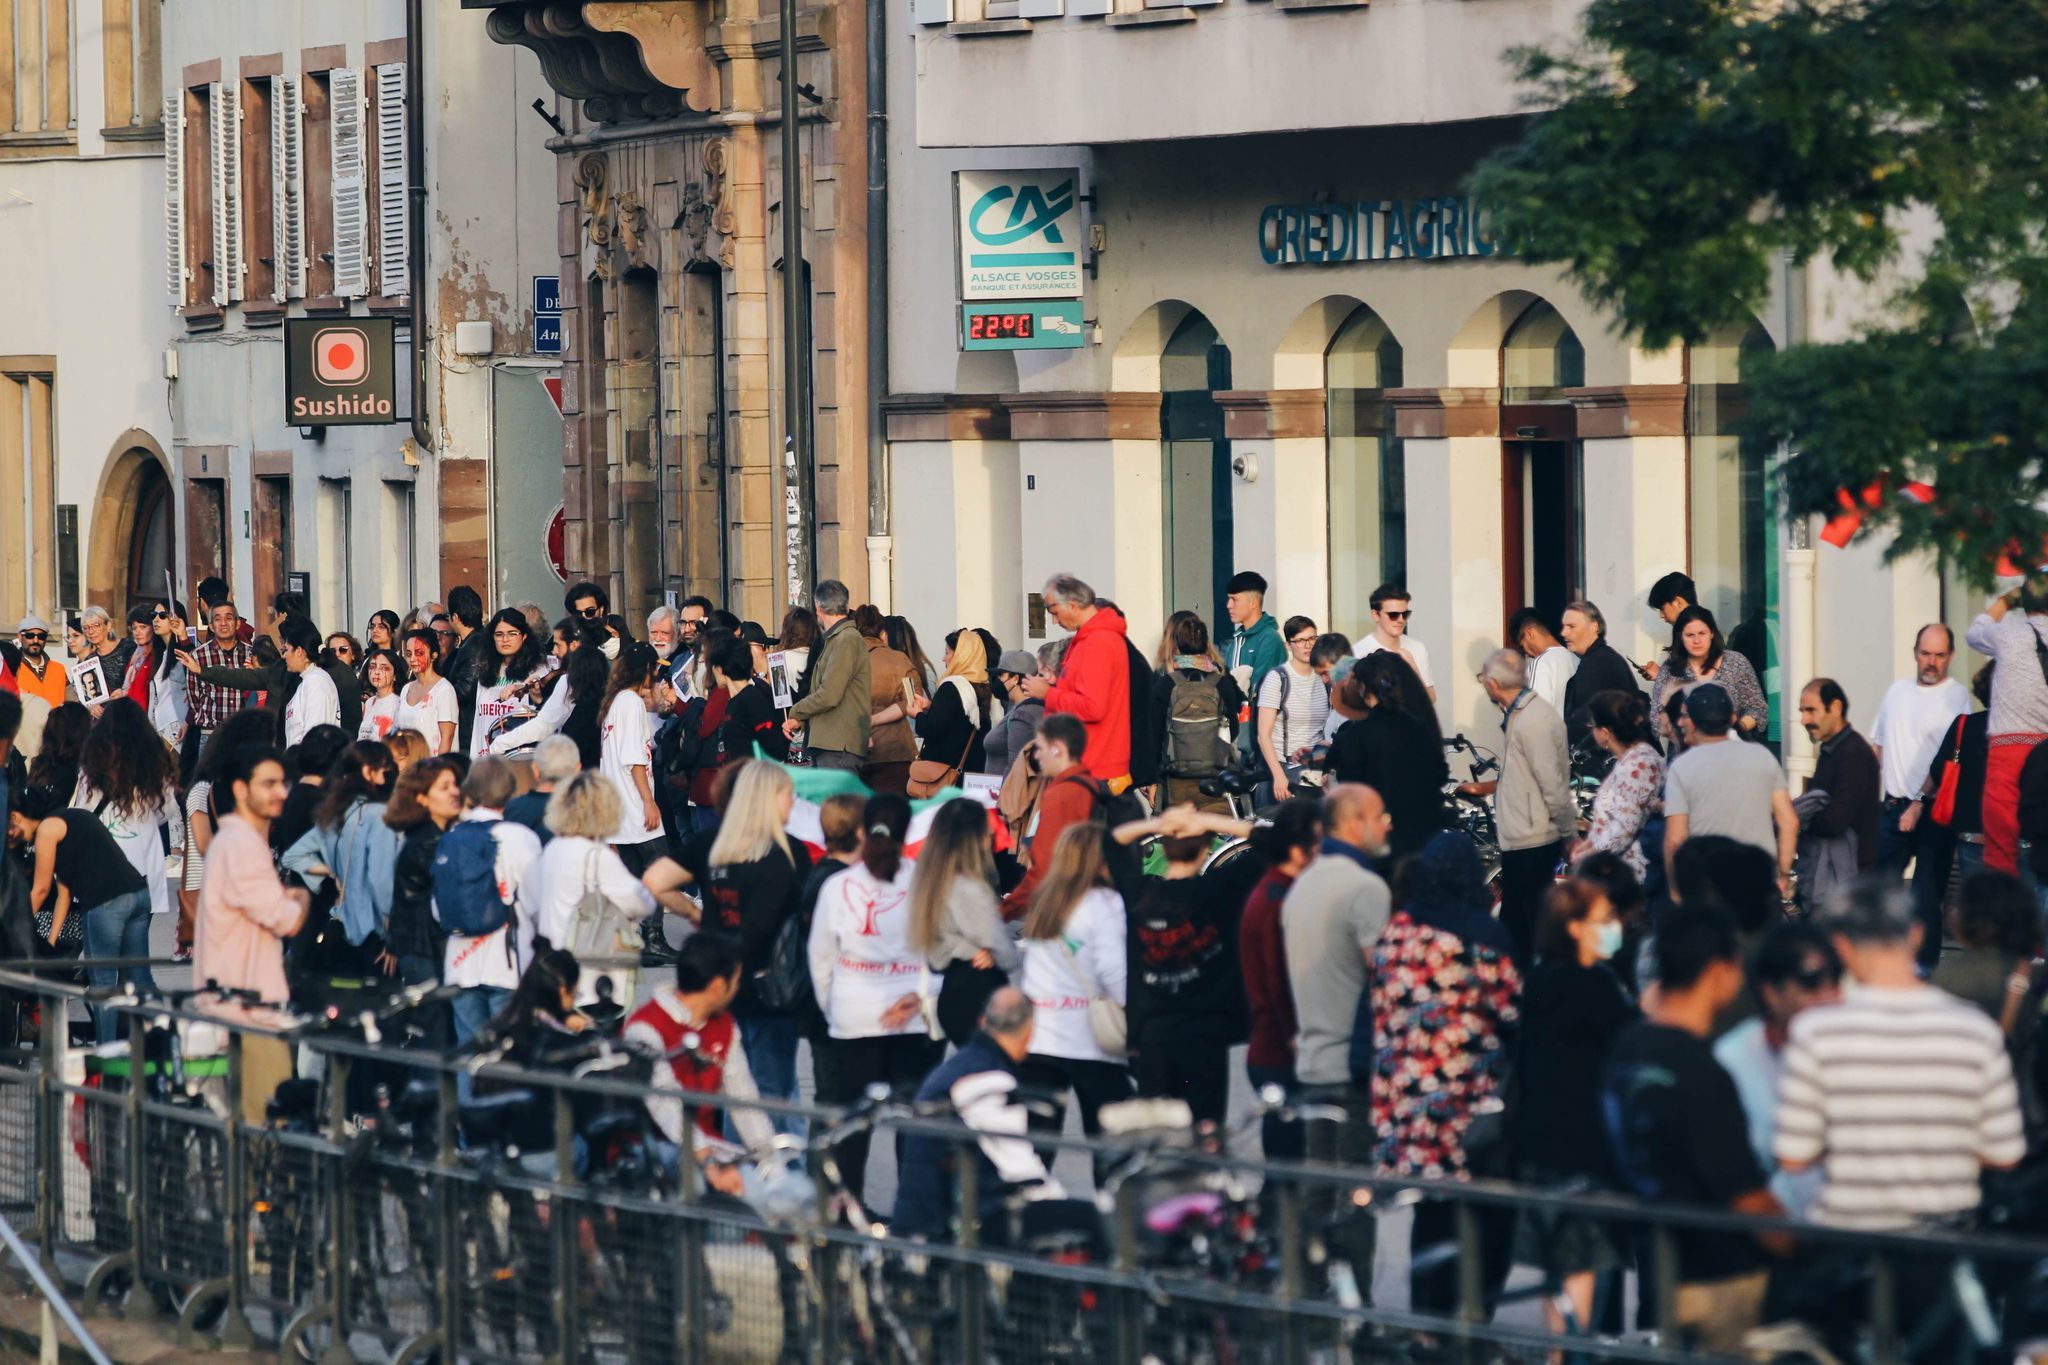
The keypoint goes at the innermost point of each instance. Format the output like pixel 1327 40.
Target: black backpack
pixel 1145 736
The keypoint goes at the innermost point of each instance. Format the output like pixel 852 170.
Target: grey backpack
pixel 1194 746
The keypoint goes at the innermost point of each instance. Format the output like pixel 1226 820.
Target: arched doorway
pixel 1542 561
pixel 1731 525
pixel 133 537
pixel 1193 368
pixel 1367 474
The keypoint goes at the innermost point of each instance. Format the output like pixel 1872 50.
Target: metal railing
pixel 369 1231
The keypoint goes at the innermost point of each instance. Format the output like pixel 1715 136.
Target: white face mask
pixel 1607 939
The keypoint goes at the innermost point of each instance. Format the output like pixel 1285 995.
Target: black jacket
pixel 1847 771
pixel 463 666
pixel 414 931
pixel 1601 669
pixel 2034 809
pixel 947 730
pixel 1399 758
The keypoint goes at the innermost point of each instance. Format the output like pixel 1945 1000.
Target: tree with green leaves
pixel 1687 144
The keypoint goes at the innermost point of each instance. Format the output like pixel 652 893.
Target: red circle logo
pixel 341 356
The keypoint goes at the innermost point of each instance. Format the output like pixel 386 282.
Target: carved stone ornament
pixel 631 221
pixel 719 195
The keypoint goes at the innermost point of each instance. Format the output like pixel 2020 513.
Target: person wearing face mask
pixel 1573 1009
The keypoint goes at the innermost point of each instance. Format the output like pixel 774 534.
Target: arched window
pixel 1198 531
pixel 1368 522
pixel 149 544
pixel 1541 357
pixel 1734 539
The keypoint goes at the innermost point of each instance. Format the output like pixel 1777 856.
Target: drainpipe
pixel 800 510
pixel 880 588
pixel 1800 630
pixel 416 213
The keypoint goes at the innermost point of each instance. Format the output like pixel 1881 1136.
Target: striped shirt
pixel 1903 1096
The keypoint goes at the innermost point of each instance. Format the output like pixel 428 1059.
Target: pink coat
pixel 245 914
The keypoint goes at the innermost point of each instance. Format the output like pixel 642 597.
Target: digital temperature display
pixel 1001 326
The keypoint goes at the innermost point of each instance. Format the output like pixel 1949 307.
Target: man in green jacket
pixel 1254 644
pixel 833 698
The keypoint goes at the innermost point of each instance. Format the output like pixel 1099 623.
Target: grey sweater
pixel 1007 737
pixel 973 922
pixel 1533 804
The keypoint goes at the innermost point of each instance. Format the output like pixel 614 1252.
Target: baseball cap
pixel 33 622
pixel 1019 661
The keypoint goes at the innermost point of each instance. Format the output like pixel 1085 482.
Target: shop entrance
pixel 1542 564
pixel 1198 533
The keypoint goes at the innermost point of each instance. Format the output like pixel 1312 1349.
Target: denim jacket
pixel 364 850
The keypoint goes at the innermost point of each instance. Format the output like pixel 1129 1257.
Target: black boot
pixel 654 947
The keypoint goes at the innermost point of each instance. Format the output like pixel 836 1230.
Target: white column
pixel 1454 568
pixel 1635 532
pixel 1301 523
pixel 1800 633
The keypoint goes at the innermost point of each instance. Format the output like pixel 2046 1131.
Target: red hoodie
pixel 1094 687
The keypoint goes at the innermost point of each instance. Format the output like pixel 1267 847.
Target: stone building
pixel 668 190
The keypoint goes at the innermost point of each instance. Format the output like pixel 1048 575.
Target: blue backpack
pixel 466 898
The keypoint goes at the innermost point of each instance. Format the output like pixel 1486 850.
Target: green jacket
pixel 1261 649
pixel 836 704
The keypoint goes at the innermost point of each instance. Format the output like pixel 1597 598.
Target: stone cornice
pixel 1430 413
pixel 1083 416
pixel 1630 410
pixel 946 417
pixel 1273 414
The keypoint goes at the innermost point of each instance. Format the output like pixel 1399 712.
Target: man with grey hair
pixel 661 631
pixel 1601 666
pixel 1533 814
pixel 978 1085
pixel 833 698
pixel 1902 1094
pixel 1094 681
pixel 555 761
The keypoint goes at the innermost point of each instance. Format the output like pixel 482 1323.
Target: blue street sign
pixel 547 335
pixel 547 293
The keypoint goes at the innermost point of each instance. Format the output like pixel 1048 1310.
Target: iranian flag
pixel 815 786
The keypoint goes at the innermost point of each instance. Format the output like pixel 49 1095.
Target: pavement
pixel 21 1336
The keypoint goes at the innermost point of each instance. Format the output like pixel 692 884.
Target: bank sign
pixel 1019 234
pixel 1435 228
pixel 338 372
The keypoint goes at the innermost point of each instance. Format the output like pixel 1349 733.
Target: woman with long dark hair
pixel 515 656
pixel 350 842
pixel 578 689
pixel 1699 654
pixel 1633 789
pixel 867 975
pixel 128 779
pixel 382 632
pixel 384 674
pixel 166 698
pixel 896 692
pixel 901 636
pixel 427 705
pixel 1394 749
pixel 55 768
pixel 799 634
pixel 628 755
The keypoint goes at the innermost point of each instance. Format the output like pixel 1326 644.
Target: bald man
pixel 1330 921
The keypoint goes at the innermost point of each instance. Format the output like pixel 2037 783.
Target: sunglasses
pixel 591 613
pixel 36 635
pixel 1397 615
pixel 159 616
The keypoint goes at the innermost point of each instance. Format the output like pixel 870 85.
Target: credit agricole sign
pixel 1330 232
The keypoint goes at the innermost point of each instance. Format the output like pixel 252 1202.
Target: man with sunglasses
pixel 36 674
pixel 1391 612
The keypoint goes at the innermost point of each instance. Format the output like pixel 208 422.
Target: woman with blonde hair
pixel 956 922
pixel 753 885
pixel 407 747
pixel 1074 954
pixel 955 722
pixel 576 864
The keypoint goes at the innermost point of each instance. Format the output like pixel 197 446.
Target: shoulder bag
pixel 598 928
pixel 1106 1019
pixel 928 776
pixel 1943 812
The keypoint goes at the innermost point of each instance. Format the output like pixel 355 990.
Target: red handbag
pixel 1944 810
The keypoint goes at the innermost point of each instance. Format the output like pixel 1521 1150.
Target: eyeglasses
pixel 1397 615
pixel 1301 640
pixel 509 634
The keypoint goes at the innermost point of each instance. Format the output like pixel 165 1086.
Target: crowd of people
pixel 1704 989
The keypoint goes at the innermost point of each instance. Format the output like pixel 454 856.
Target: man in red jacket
pixel 1094 684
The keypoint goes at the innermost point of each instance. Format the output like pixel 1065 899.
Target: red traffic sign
pixel 554 537
pixel 553 384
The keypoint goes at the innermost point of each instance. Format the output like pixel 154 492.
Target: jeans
pixel 117 928
pixel 1352 1233
pixel 1279 1140
pixel 472 1012
pixel 770 1041
pixel 703 817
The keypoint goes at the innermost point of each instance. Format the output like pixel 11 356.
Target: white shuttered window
pixel 228 254
pixel 393 223
pixel 287 190
pixel 351 245
pixel 174 197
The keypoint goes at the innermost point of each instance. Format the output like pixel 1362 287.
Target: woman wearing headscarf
pixel 1445 1002
pixel 954 724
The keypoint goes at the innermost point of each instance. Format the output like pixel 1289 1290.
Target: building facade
pixel 86 475
pixel 667 194
pixel 1302 353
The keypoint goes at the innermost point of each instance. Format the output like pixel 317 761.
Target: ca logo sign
pixel 1032 212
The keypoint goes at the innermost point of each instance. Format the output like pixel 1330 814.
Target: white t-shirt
pixel 628 744
pixel 491 707
pixel 1550 671
pixel 1410 646
pixel 1911 724
pixel 1308 706
pixel 554 885
pixel 380 718
pixel 497 959
pixel 315 702
pixel 1095 932
pixel 861 959
pixel 424 717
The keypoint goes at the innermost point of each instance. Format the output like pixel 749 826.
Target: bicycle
pixel 1473 815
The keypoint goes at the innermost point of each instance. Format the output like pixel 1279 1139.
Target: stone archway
pixel 132 537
